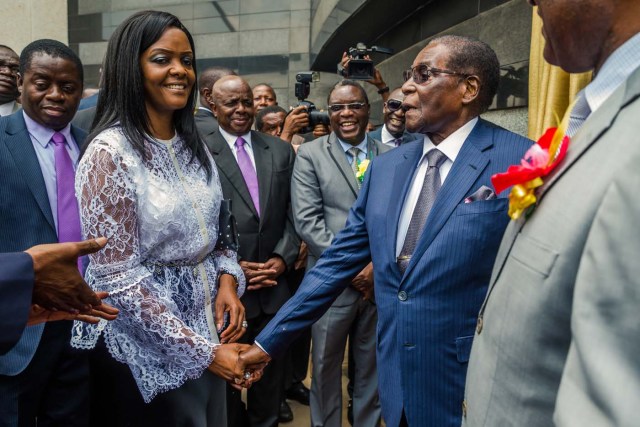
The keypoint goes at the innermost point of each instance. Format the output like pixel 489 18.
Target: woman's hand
pixel 227 301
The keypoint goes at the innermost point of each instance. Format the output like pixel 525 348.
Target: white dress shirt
pixel 387 138
pixel 248 146
pixel 450 146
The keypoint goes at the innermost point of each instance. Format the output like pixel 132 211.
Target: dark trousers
pixel 54 387
pixel 117 402
pixel 297 358
pixel 264 397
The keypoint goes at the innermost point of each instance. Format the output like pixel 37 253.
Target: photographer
pixel 294 122
pixel 376 80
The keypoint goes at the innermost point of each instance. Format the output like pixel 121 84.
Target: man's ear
pixel 212 105
pixel 20 82
pixel 472 89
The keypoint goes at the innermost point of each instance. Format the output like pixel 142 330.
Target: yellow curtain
pixel 551 90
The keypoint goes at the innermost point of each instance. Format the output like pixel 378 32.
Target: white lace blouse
pixel 161 264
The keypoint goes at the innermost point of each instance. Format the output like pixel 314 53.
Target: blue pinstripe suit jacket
pixel 426 317
pixel 25 216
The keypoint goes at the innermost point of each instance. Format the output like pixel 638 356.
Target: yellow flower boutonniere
pixel 362 168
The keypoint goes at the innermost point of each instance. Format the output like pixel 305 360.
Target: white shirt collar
pixel 452 144
pixel 615 70
pixel 231 139
pixel 386 135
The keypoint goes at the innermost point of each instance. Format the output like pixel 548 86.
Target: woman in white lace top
pixel 147 182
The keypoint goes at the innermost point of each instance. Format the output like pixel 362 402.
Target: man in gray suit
pixel 557 336
pixel 323 188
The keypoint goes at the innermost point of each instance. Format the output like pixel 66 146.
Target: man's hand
pixel 227 301
pixel 103 311
pixel 263 275
pixel 377 79
pixel 363 282
pixel 320 130
pixel 295 121
pixel 226 365
pixel 58 284
pixel 254 360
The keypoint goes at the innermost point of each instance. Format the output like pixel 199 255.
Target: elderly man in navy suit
pixel 428 220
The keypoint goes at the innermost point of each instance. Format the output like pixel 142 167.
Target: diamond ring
pixel 245 324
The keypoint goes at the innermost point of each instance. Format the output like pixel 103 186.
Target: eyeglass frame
pixel 410 74
pixel 386 103
pixel 350 106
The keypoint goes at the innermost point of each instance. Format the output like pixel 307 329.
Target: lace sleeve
pixel 149 335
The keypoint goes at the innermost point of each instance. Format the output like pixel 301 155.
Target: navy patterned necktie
pixel 428 193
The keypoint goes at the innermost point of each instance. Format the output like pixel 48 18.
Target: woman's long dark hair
pixel 122 98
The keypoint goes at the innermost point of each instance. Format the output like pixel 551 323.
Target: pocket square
pixel 482 193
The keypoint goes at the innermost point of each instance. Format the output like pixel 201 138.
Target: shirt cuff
pixel 261 348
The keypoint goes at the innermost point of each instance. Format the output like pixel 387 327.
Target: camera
pixel 302 91
pixel 360 68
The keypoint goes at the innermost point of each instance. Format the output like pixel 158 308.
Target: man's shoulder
pixel 504 138
pixel 313 145
pixel 278 145
pixel 11 123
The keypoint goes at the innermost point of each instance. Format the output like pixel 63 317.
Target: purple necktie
pixel 68 216
pixel 248 172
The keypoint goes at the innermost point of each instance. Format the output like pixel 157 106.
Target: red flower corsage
pixel 538 161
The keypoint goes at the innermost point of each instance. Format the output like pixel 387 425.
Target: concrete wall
pixel 26 20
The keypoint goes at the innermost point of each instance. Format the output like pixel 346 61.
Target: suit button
pixel 402 296
pixel 479 325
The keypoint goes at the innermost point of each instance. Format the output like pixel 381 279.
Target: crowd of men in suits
pixel 402 240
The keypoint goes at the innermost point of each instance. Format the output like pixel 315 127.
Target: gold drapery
pixel 551 90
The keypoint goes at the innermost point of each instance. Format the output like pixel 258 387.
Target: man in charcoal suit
pixel 255 173
pixel 557 336
pixel 428 220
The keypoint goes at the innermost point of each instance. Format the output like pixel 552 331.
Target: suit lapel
pixel 227 164
pixel 338 156
pixel 403 174
pixel 24 155
pixel 264 167
pixel 466 169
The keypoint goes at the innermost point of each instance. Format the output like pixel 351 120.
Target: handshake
pixel 239 364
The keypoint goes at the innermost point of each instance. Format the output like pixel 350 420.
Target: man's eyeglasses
pixel 422 72
pixel 393 105
pixel 334 108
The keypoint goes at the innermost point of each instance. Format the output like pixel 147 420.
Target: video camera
pixel 360 68
pixel 302 91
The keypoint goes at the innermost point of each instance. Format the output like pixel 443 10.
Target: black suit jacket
pixel 206 121
pixel 272 232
